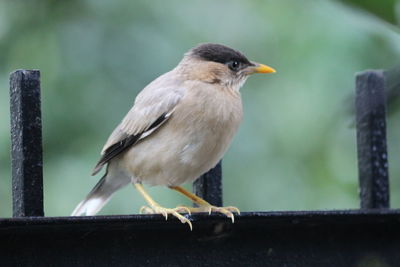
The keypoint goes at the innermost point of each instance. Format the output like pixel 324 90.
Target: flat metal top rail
pixel 312 238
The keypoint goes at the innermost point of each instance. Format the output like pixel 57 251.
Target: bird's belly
pixel 188 144
pixel 173 156
pixel 175 161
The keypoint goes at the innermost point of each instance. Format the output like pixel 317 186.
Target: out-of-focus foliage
pixel 387 9
pixel 294 149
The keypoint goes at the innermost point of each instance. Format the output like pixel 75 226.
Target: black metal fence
pixel 369 236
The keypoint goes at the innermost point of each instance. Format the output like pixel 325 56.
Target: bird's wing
pixel 153 106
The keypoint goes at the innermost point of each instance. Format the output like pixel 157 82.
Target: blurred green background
pixel 296 148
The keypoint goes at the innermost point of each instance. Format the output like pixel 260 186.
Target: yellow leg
pixel 156 208
pixel 204 205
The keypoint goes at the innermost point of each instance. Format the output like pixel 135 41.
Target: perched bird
pixel 179 127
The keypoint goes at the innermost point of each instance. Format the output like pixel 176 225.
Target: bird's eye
pixel 234 65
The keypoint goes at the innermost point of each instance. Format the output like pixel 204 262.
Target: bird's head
pixel 219 64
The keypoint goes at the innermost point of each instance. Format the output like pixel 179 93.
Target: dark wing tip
pixel 97 168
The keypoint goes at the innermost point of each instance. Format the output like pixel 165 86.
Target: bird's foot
pixel 228 211
pixel 157 209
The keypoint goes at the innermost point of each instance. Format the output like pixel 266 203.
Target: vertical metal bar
pixel 371 139
pixel 209 186
pixel 26 147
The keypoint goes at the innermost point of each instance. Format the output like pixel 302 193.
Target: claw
pixel 165 211
pixel 227 211
pixel 186 220
pixel 232 218
pixel 156 208
pixel 233 209
pixel 204 206
pixel 183 209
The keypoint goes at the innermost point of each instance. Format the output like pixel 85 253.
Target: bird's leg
pixel 204 206
pixel 154 207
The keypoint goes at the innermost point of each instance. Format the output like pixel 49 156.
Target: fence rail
pixel 371 139
pixel 26 143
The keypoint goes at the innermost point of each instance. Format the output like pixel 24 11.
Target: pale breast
pixel 191 142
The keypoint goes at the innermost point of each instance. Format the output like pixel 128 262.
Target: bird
pixel 178 128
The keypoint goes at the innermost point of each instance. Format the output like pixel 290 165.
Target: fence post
pixel 371 139
pixel 209 186
pixel 26 147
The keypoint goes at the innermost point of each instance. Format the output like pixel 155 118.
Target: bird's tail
pixel 99 196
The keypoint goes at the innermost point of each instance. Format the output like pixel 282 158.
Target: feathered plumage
pixel 179 126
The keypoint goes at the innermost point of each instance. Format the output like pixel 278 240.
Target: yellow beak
pixel 261 68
